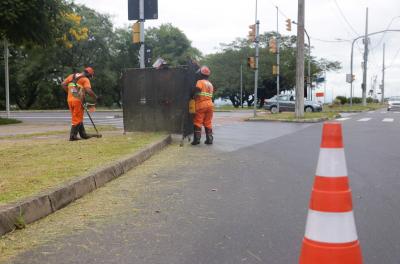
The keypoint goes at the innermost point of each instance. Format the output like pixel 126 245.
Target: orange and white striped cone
pixel 331 235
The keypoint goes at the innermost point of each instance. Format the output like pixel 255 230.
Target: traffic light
pixel 275 70
pixel 252 33
pixel 136 33
pixel 288 24
pixel 272 45
pixel 251 62
pixel 148 54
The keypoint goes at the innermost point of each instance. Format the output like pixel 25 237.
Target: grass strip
pixel 9 121
pixel 290 116
pixel 354 108
pixel 28 167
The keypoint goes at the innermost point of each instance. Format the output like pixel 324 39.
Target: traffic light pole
pixel 299 106
pixel 256 71
pixel 6 73
pixel 241 85
pixel 141 52
pixel 383 75
pixel 277 57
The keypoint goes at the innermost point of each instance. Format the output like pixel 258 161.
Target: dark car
pixel 287 104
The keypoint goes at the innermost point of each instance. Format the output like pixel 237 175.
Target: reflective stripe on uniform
pixel 205 94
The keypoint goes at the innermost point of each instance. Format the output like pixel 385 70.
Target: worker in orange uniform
pixel 76 86
pixel 203 94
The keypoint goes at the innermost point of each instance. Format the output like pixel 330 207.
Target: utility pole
pixel 364 84
pixel 300 61
pixel 383 75
pixel 309 82
pixel 241 85
pixel 257 54
pixel 141 52
pixel 6 74
pixel 277 57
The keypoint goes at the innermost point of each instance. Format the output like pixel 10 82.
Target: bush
pixel 342 99
pixel 371 100
pixel 357 100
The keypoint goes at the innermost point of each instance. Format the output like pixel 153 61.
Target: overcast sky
pixel 208 23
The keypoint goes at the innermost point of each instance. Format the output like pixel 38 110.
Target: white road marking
pixel 364 119
pixel 388 120
pixel 343 118
pixel 371 112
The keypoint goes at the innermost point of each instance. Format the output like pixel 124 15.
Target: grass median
pixel 290 116
pixel 31 164
pixel 8 121
pixel 353 108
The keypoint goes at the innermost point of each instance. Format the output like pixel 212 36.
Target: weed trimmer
pixel 86 105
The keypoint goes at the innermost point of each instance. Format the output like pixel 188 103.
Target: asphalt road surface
pixel 243 200
pixel 110 118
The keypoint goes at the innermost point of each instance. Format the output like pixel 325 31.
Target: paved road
pixel 244 200
pixel 111 118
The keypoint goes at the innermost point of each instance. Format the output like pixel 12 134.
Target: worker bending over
pixel 76 86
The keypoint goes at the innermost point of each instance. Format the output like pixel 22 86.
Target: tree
pixel 171 44
pixel 30 21
pixel 225 66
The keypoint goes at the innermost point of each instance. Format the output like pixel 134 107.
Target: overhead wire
pixel 394 59
pixel 384 33
pixel 345 18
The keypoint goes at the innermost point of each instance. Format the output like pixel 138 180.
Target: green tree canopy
pixel 171 44
pixel 30 21
pixel 225 66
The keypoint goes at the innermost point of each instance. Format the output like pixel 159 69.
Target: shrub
pixel 342 99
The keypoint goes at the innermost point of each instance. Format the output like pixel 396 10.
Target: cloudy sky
pixel 208 23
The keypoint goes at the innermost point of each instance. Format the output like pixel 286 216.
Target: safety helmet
pixel 205 70
pixel 89 71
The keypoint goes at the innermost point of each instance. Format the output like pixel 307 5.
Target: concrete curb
pixel 37 207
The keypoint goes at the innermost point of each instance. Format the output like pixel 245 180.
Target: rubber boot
pixel 196 135
pixel 82 132
pixel 209 137
pixel 73 134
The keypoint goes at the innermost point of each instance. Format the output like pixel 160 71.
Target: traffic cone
pixel 331 235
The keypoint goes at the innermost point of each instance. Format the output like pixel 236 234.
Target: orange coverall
pixel 76 95
pixel 204 104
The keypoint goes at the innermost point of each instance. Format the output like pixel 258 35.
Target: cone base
pixel 324 253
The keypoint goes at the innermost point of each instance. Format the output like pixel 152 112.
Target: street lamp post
pixel 352 55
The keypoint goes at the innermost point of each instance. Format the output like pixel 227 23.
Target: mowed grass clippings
pixel 28 167
pixel 133 194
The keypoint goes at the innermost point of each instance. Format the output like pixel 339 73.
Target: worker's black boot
pixel 196 135
pixel 82 132
pixel 209 137
pixel 73 134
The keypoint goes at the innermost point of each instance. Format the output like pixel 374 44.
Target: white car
pixel 394 103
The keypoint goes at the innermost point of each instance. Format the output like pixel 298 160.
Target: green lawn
pixel 290 116
pixel 355 107
pixel 29 165
pixel 8 121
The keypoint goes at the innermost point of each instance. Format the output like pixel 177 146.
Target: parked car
pixel 287 104
pixel 394 103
